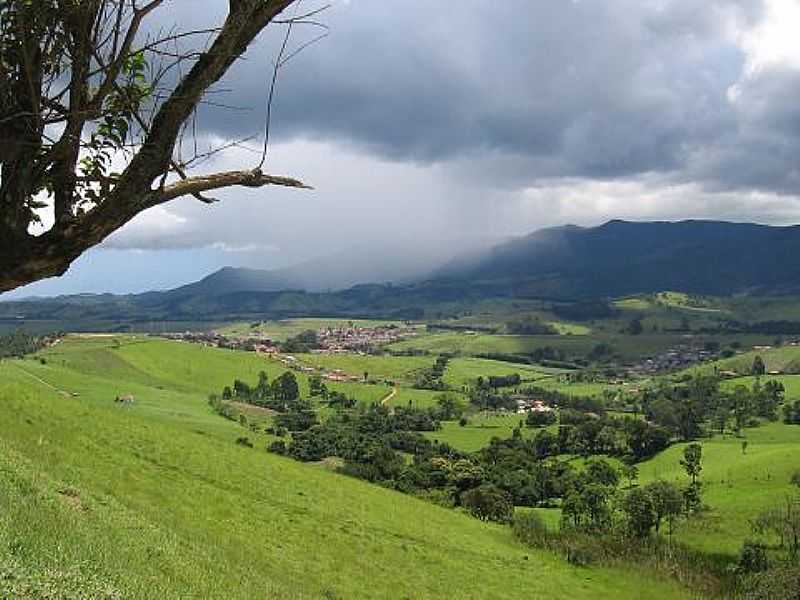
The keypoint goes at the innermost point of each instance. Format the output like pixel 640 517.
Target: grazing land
pixel 204 517
pixel 271 454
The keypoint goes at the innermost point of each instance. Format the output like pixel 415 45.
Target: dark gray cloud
pixel 477 119
pixel 582 88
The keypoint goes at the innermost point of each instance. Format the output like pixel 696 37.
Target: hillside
pixel 155 500
pixel 619 258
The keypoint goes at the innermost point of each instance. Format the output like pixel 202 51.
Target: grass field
pixel 156 501
pixel 465 371
pixel 578 388
pixel 392 368
pixel 735 485
pixel 627 347
pixel 478 431
pixel 564 328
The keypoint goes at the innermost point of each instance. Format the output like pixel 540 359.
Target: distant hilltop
pixel 615 259
pixel 621 257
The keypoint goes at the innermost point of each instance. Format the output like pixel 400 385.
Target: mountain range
pixel 565 263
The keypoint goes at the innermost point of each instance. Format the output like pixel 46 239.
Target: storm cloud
pixel 428 120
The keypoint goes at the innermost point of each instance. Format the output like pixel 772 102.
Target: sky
pixel 430 123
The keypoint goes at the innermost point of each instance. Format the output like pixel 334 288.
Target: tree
pixel 635 327
pixel 285 388
pixel 540 418
pixel 241 389
pixel 450 406
pixel 639 512
pixel 692 461
pixel 488 503
pixel 784 522
pixel 316 387
pixel 602 472
pixel 667 502
pixel 82 87
pixel 758 367
pixel 262 389
pixel 752 558
pixel 631 473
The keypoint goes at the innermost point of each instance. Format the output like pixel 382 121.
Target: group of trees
pixel 595 502
pixel 366 438
pixel 632 439
pixel 303 342
pixel 282 395
pixel 334 398
pixel 489 483
pixel 431 378
pixel 584 311
pixel 530 326
pixel 19 344
pixel 791 413
pixel 687 409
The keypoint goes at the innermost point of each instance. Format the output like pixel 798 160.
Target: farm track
pixel 42 381
pixel 389 396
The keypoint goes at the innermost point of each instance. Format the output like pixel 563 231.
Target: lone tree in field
pixel 759 368
pixel 692 464
pixel 82 85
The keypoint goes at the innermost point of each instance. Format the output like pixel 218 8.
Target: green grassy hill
pixel 155 500
pixel 736 485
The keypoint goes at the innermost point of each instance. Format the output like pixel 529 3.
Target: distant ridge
pixel 621 257
pixel 615 259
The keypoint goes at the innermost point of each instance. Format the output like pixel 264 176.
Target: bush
pixel 537 418
pixel 463 421
pixel 529 528
pixel 752 558
pixel 488 503
pixel 774 584
pixel 244 441
pixel 578 556
pixel 277 447
pixel 795 479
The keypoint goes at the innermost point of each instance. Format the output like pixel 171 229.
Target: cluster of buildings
pixel 331 375
pixel 526 404
pixel 360 339
pixel 675 359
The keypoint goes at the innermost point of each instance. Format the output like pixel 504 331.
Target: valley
pixel 215 489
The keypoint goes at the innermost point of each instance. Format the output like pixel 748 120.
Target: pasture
pixel 155 500
pixel 736 485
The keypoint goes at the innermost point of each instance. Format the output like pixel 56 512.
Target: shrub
pixel 752 558
pixel 244 441
pixel 795 479
pixel 277 447
pixel 774 584
pixel 488 503
pixel 540 418
pixel 640 512
pixel 463 421
pixel 577 555
pixel 529 528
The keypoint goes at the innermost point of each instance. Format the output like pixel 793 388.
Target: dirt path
pixel 42 381
pixel 389 396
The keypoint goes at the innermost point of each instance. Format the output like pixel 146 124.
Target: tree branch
pixel 215 181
